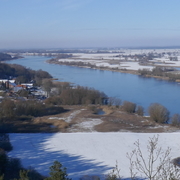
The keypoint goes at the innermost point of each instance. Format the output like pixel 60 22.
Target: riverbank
pixel 135 71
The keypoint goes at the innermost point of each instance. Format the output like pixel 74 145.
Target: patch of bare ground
pixel 84 119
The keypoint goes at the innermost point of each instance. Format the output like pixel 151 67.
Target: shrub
pixel 159 113
pixel 140 111
pixel 175 121
pixel 129 107
pixel 7 108
pixel 115 174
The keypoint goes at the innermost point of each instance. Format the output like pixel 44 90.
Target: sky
pixel 89 23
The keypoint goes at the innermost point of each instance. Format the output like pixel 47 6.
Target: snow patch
pixel 87 125
pixel 85 153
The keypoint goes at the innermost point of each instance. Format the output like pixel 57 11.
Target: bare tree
pixel 157 165
pixel 117 102
pixel 47 85
pixel 114 101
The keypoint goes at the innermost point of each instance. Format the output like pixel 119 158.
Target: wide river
pixel 142 91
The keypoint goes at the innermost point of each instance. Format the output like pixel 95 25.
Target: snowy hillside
pixel 84 153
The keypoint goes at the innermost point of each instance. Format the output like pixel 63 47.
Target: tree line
pixel 161 72
pixel 22 74
pixel 68 95
pixel 12 112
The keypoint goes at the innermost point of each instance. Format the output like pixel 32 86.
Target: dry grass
pixel 114 120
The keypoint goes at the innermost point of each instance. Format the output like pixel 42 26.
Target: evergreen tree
pixel 57 172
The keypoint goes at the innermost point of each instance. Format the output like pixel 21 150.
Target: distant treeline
pixel 72 63
pixel 160 72
pixel 49 51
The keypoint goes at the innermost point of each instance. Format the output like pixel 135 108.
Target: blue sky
pixel 89 23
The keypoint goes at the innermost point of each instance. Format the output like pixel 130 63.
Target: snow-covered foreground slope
pixel 85 153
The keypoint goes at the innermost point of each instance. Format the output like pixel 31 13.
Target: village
pixel 23 91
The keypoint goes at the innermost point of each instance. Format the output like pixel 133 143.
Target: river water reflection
pixel 142 91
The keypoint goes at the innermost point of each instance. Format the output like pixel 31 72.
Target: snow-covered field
pixel 85 153
pixel 131 65
pixel 116 60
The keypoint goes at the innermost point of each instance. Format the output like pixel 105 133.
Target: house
pixel 8 83
pixel 16 88
pixel 12 85
pixel 28 85
pixel 19 87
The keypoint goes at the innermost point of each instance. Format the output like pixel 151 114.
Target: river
pixel 137 89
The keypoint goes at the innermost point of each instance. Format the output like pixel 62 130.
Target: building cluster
pixel 25 90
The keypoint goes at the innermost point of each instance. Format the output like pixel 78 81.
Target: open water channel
pixel 137 89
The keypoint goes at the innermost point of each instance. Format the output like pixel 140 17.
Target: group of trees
pixel 161 114
pixel 161 72
pixel 76 96
pixel 10 110
pixel 22 74
pixel 126 106
pixel 4 57
pixel 157 112
pixel 6 71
